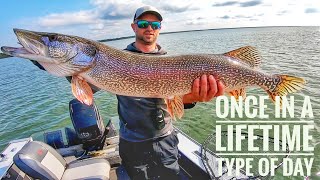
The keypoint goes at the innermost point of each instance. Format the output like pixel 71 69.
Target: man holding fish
pixel 148 143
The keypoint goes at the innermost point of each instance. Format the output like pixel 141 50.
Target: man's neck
pixel 146 48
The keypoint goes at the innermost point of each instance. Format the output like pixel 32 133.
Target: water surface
pixel 33 101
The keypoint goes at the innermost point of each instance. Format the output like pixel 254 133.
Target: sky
pixel 102 19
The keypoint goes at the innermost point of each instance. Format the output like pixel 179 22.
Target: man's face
pixel 147 35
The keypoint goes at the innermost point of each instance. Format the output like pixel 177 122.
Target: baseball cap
pixel 147 9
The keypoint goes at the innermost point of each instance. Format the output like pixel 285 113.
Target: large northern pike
pixel 132 74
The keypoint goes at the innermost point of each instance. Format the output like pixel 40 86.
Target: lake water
pixel 33 101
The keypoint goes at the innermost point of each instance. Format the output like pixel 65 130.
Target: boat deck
pixel 191 165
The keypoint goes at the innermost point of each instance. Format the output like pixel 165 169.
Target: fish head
pixel 53 49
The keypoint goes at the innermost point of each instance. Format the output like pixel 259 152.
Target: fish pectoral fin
pixel 175 106
pixel 248 54
pixel 238 92
pixel 81 90
pixel 288 84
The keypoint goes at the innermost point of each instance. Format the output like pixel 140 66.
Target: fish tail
pixel 285 84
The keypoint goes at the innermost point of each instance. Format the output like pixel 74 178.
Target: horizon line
pixel 194 30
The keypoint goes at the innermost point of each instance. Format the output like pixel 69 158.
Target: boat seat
pixel 41 161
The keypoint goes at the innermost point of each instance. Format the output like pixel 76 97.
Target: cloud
pixel 311 10
pixel 225 17
pixel 281 13
pixel 250 3
pixel 63 19
pixel 95 22
pixel 105 11
pixel 173 6
pixel 115 10
pixel 253 19
pixel 197 21
pixel 237 17
pixel 115 15
pixel 241 4
pixel 99 26
pixel 177 9
pixel 242 16
pixel 102 11
pixel 228 3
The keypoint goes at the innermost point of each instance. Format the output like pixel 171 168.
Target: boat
pixel 89 141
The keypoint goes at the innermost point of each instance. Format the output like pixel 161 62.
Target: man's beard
pixel 147 40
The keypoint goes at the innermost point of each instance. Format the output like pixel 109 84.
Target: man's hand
pixel 204 89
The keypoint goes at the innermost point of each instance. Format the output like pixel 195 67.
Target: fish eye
pixel 94 52
pixel 90 50
pixel 52 38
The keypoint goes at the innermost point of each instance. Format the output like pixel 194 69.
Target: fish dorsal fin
pixel 81 90
pixel 247 54
pixel 175 106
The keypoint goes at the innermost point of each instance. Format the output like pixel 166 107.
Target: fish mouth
pixel 31 42
pixel 12 51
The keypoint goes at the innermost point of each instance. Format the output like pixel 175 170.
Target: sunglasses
pixel 144 24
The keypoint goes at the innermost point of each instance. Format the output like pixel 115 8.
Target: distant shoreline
pixel 195 30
